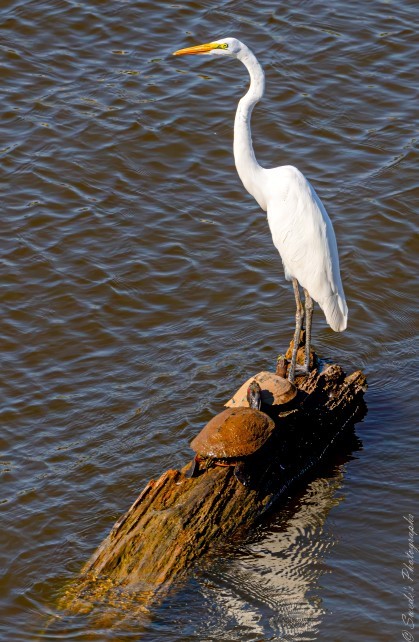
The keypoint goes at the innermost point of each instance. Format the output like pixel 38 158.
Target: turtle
pixel 275 390
pixel 232 436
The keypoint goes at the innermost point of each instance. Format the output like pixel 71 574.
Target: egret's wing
pixel 304 236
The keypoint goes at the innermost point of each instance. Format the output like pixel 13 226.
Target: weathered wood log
pixel 177 519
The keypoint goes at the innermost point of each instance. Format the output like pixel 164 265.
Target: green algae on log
pixel 178 519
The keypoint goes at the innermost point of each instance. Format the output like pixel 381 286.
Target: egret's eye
pixel 223 46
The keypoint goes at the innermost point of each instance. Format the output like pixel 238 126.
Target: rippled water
pixel 140 287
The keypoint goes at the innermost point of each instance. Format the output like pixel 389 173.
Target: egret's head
pixel 225 47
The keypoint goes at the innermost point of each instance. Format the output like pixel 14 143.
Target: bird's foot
pixel 299 371
pixel 302 371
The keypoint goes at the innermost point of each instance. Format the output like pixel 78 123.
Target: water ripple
pixel 140 287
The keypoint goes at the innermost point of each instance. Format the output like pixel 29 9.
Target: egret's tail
pixel 336 312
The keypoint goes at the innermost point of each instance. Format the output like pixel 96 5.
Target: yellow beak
pixel 199 49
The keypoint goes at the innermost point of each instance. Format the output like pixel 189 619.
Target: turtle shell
pixel 275 390
pixel 235 432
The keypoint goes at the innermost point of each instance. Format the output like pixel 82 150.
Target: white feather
pixel 303 235
pixel 301 229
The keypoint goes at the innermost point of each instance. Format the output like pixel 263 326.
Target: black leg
pixel 309 316
pixel 298 323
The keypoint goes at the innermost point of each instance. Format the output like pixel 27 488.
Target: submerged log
pixel 178 519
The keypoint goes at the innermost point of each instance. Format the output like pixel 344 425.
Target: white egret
pixel 301 229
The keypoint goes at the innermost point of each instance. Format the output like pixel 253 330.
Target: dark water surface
pixel 140 287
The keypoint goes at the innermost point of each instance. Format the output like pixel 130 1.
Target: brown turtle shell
pixel 235 432
pixel 275 390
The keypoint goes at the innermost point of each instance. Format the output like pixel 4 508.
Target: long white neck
pixel 247 166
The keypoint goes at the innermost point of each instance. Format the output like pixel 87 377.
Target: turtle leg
pixel 241 473
pixel 209 462
pixel 194 468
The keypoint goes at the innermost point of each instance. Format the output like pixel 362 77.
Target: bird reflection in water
pixel 274 579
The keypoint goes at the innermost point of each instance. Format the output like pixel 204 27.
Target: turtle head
pixel 254 395
pixel 281 366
